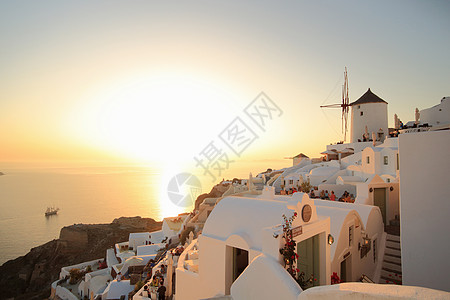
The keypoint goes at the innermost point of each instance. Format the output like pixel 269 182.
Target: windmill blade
pixel 331 105
pixel 344 105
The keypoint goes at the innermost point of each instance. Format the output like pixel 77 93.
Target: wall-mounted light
pixel 391 188
pixel 275 235
pixel 371 190
pixel 366 240
pixel 366 245
pixel 330 239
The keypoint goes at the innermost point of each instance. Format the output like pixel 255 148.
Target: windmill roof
pixel 300 155
pixel 368 97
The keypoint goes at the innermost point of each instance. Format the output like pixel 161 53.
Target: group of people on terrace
pixel 155 284
pixel 346 196
pixel 323 194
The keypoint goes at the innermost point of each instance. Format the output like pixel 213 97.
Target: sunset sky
pixel 155 82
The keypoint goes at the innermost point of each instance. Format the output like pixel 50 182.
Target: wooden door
pixel 379 199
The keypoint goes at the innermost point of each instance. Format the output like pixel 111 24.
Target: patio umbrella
pixel 328 152
pixel 347 150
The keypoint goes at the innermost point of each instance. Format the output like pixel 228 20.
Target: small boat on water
pixel 51 211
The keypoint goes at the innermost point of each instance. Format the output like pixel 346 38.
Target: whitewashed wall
pixel 370 291
pixel 265 278
pixel 437 115
pixel 374 117
pixel 425 208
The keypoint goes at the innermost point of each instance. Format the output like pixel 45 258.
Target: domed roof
pixel 368 97
pixel 244 216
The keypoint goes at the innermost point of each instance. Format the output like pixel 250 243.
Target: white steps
pixel 391 271
pixel 395 238
pixel 395 267
pixel 395 252
pixel 392 259
pixel 392 244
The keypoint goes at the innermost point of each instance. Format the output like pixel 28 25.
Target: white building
pixel 299 158
pixel 372 176
pixel 240 229
pixel 242 237
pixel 438 115
pixel 116 289
pixel 354 227
pixel 173 226
pixel 149 249
pixel 138 239
pixel 369 111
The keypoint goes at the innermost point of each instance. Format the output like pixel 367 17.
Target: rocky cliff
pixel 216 192
pixel 30 276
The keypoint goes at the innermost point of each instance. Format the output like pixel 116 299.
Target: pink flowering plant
pixel 288 251
pixel 290 256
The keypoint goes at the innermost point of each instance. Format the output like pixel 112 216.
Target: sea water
pixel 88 195
pixel 84 195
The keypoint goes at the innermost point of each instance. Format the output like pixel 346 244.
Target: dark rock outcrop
pixel 30 276
pixel 216 192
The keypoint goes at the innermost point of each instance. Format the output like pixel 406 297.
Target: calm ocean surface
pixel 84 195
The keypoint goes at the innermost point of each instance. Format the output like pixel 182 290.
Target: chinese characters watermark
pixel 233 140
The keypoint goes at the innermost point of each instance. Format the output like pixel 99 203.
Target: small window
pixel 388 180
pixel 375 250
pixel 362 113
pixel 359 106
pixel 386 160
pixel 350 235
pixel 291 181
pixel 368 159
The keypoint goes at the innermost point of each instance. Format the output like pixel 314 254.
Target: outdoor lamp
pixel 366 241
pixel 330 239
pixel 365 247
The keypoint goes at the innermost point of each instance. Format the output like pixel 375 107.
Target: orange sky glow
pixel 154 83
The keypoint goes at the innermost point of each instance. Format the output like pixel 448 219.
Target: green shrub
pixel 306 186
pixel 75 276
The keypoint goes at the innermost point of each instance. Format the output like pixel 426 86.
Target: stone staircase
pixel 391 270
